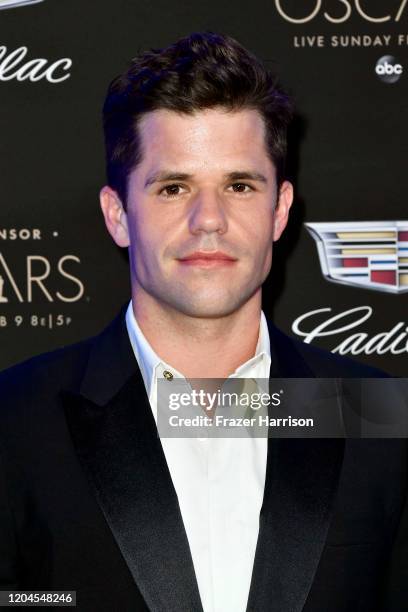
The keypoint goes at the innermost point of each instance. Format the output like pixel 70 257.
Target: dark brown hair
pixel 200 71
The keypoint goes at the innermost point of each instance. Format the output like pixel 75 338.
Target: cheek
pixel 260 233
pixel 153 239
pixel 145 231
pixel 141 243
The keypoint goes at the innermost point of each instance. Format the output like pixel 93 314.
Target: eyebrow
pixel 237 175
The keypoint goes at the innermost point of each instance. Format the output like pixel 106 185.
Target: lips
pixel 207 258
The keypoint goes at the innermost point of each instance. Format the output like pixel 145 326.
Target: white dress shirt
pixel 219 484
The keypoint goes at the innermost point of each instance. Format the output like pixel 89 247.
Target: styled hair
pixel 200 71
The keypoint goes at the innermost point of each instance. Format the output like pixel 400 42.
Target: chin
pixel 214 307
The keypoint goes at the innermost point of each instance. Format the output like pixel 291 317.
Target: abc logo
pixel 387 69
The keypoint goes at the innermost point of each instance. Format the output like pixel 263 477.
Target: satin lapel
pixel 301 482
pixel 116 440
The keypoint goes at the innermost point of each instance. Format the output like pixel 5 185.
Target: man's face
pixel 201 216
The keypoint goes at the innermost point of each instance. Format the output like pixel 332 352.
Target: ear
pixel 115 216
pixel 281 212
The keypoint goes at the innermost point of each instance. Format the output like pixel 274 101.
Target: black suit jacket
pixel 87 502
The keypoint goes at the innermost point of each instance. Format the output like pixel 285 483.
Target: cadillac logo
pixel 368 254
pixel 11 3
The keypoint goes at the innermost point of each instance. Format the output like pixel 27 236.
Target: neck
pixel 195 346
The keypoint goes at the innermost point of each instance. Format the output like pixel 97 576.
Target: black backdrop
pixel 348 157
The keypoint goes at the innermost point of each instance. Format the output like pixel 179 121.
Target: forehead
pixel 207 137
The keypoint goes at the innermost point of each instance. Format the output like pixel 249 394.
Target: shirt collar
pixel 149 362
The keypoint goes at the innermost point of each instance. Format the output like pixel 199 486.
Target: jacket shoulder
pixel 43 375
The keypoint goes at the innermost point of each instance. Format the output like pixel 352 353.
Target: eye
pixel 171 191
pixel 242 188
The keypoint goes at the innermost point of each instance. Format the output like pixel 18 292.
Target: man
pixel 92 499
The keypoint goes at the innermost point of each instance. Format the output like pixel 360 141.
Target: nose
pixel 207 214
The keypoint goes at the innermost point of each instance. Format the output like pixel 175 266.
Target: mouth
pixel 207 259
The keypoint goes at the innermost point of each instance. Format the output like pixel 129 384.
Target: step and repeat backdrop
pixel 340 272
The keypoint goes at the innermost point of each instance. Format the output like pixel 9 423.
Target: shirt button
pixel 167 375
